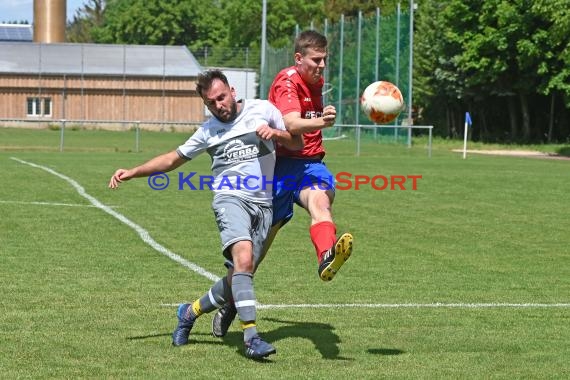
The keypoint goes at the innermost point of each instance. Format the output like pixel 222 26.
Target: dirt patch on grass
pixel 516 153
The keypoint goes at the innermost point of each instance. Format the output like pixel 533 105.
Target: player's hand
pixel 119 176
pixel 265 132
pixel 329 116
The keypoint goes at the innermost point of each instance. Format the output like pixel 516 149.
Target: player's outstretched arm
pixel 298 125
pixel 163 163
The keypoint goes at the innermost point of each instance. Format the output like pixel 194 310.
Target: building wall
pixel 103 98
pixel 243 80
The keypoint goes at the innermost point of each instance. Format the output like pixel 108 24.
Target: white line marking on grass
pixel 50 204
pixel 417 305
pixel 408 305
pixel 145 236
pixel 334 138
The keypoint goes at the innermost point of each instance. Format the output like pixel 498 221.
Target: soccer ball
pixel 382 102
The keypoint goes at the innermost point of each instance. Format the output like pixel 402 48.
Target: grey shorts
pixel 240 219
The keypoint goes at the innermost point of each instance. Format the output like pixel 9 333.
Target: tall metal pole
pixel 377 55
pixel 263 46
pixel 357 105
pixel 410 75
pixel 397 74
pixel 340 64
pixel 358 51
pixel 326 91
pixel 397 78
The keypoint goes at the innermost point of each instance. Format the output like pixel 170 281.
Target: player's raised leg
pixel 332 253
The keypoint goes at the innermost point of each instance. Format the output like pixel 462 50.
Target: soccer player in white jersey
pixel 239 137
pixel 302 177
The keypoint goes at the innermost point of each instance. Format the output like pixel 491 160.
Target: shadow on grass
pixel 320 334
pixel 168 334
pixel 385 351
pixel 142 337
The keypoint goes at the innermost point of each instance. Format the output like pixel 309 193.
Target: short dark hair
pixel 310 39
pixel 206 78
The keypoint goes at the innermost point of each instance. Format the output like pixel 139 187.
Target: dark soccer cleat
pixel 335 257
pixel 223 319
pixel 256 348
pixel 182 330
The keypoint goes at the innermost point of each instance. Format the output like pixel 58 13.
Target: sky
pixel 23 10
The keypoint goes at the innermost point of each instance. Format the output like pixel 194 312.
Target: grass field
pixel 466 277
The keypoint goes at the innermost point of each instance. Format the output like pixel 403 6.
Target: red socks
pixel 323 236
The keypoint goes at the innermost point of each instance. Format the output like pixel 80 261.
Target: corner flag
pixel 468 118
pixel 467 124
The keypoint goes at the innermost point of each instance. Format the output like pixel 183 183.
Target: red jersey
pixel 289 93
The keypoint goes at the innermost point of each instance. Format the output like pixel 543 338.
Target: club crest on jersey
pixel 236 151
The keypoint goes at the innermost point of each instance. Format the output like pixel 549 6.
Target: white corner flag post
pixel 467 124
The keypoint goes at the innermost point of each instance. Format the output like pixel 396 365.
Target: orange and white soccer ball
pixel 382 102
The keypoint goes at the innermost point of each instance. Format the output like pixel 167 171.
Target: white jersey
pixel 242 163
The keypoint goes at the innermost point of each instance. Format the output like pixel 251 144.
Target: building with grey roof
pixel 99 82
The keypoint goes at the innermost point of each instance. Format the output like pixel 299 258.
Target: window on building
pixel 33 106
pixel 47 107
pixel 38 106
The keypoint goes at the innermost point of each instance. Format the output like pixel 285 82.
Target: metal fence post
pixel 341 49
pixel 429 140
pixel 61 133
pixel 357 133
pixel 137 136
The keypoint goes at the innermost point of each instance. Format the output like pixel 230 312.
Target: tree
pixel 194 23
pixel 551 48
pixel 438 45
pixel 555 37
pixel 491 55
pixel 86 18
pixel 244 20
pixel 348 8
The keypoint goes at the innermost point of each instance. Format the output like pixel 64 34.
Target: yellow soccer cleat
pixel 335 257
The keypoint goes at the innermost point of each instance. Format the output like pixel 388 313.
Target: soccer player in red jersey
pixel 302 177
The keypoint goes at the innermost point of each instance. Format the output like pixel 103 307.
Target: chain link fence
pixel 362 50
